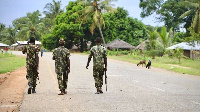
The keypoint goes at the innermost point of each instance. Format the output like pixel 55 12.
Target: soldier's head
pixel 32 40
pixel 61 42
pixel 98 40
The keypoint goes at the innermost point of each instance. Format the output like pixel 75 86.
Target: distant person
pixel 41 53
pixel 32 64
pixel 62 66
pixel 6 49
pixel 99 55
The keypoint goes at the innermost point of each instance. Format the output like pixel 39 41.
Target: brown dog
pixel 142 62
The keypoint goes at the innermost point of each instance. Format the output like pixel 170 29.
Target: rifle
pixel 106 80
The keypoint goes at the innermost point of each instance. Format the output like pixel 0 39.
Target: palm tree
pixel 95 9
pixel 52 10
pixel 165 37
pixel 9 36
pixel 30 26
pixel 194 7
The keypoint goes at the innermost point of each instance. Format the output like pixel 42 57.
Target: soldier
pixel 62 65
pixel 99 55
pixel 32 64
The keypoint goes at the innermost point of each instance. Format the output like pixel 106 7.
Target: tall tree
pixel 194 7
pixel 120 26
pixel 94 9
pixel 30 25
pixel 2 27
pixel 167 11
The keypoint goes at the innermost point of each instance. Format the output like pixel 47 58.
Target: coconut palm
pixel 194 7
pixel 94 9
pixel 52 10
pixel 30 26
pixel 165 37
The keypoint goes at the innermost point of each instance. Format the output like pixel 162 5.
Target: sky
pixel 13 9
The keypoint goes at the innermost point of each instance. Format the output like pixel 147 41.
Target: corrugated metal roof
pixel 4 45
pixel 25 42
pixel 186 46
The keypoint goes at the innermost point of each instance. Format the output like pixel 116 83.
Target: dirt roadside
pixel 12 87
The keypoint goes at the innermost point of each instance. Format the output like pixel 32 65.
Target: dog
pixel 148 64
pixel 142 62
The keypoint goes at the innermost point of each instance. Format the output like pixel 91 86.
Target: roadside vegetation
pixel 9 62
pixel 186 66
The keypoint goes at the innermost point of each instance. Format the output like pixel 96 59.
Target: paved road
pixel 130 89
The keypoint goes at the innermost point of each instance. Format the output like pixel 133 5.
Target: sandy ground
pixel 12 87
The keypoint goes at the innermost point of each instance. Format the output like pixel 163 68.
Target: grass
pixel 9 62
pixel 186 66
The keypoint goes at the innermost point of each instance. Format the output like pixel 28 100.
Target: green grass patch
pixel 9 62
pixel 187 66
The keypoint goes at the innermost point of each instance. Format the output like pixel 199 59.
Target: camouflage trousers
pixel 62 80
pixel 32 78
pixel 98 77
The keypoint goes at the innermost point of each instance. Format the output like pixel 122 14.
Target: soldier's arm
pixel 24 50
pixel 89 59
pixel 68 64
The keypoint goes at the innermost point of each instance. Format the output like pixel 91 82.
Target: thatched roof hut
pixel 142 45
pixel 119 44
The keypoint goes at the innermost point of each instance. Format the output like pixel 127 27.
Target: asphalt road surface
pixel 130 89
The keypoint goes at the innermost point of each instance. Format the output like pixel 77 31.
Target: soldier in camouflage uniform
pixel 62 65
pixel 99 55
pixel 32 64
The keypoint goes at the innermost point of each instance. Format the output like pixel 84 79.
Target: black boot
pixel 33 90
pixel 29 90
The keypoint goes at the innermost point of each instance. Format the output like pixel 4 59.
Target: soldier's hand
pixel 68 70
pixel 105 69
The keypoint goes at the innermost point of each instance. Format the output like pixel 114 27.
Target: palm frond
pixel 191 4
pixel 92 27
pixel 186 14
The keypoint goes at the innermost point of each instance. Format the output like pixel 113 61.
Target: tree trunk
pixel 101 34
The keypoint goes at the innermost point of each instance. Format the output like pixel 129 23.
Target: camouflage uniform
pixel 32 61
pixel 60 54
pixel 98 53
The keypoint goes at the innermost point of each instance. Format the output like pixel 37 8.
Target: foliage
pixel 120 26
pixel 51 10
pixel 9 62
pixel 165 37
pixel 2 27
pixel 194 10
pixel 49 41
pixel 168 11
pixel 8 36
pixel 177 53
pixel 30 25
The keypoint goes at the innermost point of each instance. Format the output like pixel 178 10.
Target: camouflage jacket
pixel 98 53
pixel 32 59
pixel 60 54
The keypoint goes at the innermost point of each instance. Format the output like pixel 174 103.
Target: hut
pixel 119 44
pixel 20 44
pixel 142 46
pixel 190 50
pixel 3 46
